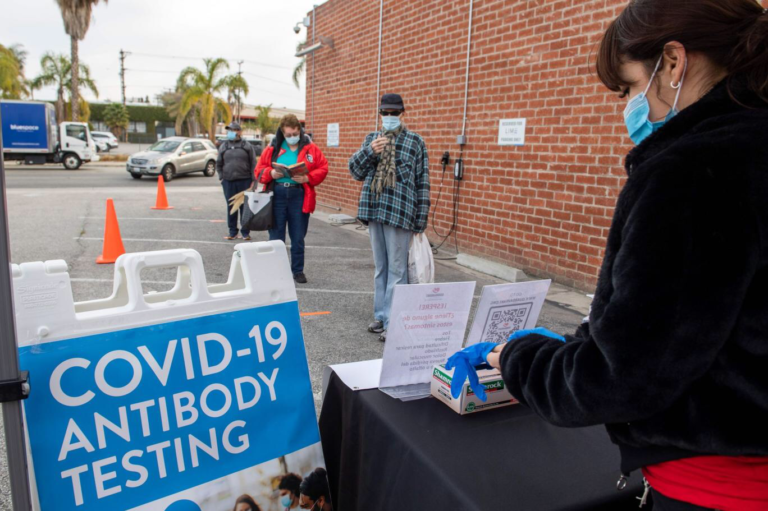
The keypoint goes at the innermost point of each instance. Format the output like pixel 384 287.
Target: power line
pixel 178 57
pixel 265 78
pixel 152 71
pixel 239 72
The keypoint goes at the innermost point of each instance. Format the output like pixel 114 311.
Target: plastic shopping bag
pixel 421 264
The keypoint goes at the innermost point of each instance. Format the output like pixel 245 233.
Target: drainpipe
pixel 378 73
pixel 314 28
pixel 463 138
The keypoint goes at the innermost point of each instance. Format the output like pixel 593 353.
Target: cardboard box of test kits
pixel 468 402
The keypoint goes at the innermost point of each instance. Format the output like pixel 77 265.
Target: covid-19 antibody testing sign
pixel 125 418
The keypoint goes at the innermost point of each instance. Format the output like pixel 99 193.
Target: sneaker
pixel 383 336
pixel 376 327
pixel 300 278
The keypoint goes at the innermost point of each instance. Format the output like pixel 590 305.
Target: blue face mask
pixel 231 135
pixel 286 501
pixel 639 126
pixel 390 122
pixel 293 140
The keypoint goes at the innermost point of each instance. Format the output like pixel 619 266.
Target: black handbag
pixel 257 212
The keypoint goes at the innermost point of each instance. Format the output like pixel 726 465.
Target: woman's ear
pixel 673 65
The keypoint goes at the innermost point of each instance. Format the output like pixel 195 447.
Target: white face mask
pixel 390 122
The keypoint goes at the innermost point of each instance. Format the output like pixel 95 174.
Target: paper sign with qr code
pixel 507 308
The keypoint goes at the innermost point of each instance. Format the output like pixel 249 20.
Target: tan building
pixel 250 113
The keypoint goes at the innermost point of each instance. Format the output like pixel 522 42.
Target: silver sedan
pixel 173 156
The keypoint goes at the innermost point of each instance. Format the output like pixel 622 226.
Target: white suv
pixel 105 136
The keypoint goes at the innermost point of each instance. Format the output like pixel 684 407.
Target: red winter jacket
pixel 309 153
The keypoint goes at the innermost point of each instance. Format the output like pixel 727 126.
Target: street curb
pixel 493 268
pixel 559 295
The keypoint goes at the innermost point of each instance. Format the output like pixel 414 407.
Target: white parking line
pixel 153 219
pixel 230 243
pixel 171 282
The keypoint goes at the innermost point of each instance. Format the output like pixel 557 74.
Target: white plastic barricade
pixel 174 401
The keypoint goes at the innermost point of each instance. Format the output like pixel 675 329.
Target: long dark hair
pixel 246 499
pixel 733 34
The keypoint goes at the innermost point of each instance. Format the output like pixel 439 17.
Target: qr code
pixel 503 321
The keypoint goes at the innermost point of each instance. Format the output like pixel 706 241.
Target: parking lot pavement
pixel 58 214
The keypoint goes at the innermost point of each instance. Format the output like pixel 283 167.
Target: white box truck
pixel 31 134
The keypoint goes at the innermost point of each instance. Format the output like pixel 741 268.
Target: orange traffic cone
pixel 113 243
pixel 162 200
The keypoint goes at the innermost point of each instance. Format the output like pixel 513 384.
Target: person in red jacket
pixel 295 197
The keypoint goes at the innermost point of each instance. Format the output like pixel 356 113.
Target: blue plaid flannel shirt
pixel 407 204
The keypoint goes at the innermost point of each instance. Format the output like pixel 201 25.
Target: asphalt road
pixel 59 214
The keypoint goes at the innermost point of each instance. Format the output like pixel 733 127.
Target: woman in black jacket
pixel 674 359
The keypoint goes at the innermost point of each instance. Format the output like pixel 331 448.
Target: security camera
pixel 297 28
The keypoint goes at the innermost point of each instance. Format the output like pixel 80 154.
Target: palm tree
pixel 172 103
pixel 77 18
pixel 265 123
pixel 86 82
pixel 237 87
pixel 55 71
pixel 200 88
pixel 299 69
pixel 13 85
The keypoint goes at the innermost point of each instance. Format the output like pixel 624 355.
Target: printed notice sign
pixel 512 132
pixel 427 325
pixel 333 135
pixel 186 415
pixel 507 308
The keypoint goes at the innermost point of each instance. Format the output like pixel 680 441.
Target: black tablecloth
pixel 384 454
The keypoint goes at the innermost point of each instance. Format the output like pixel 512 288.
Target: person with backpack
pixel 235 165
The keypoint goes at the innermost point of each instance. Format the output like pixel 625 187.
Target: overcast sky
pixel 164 36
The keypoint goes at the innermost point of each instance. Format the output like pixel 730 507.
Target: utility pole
pixel 238 91
pixel 123 54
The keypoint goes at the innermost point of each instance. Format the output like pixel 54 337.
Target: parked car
pixel 107 137
pixel 173 156
pixel 257 145
pixel 102 146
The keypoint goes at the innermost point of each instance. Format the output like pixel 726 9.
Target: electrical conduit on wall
pixel 466 78
pixel 378 72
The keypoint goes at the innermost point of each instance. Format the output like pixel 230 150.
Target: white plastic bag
pixel 421 264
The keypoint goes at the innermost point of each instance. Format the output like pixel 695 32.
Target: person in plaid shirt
pixel 394 202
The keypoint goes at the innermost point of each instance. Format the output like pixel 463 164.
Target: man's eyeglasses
pixel 396 113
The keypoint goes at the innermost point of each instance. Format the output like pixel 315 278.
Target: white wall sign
pixel 333 135
pixel 512 132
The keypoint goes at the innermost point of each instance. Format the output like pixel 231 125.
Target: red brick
pixel 546 206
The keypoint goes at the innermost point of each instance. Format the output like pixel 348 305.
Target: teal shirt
pixel 288 158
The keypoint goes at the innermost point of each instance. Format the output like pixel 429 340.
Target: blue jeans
pixel 287 204
pixel 390 254
pixel 233 188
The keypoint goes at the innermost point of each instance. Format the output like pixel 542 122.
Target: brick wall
pixel 544 207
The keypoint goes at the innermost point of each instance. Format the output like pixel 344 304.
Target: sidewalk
pixel 559 295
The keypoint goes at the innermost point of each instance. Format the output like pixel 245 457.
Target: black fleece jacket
pixel 674 359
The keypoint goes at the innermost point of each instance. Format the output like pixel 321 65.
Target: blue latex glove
pixel 464 362
pixel 540 331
